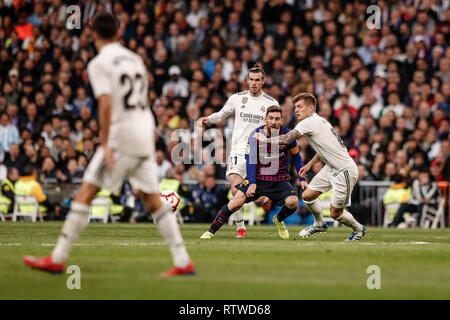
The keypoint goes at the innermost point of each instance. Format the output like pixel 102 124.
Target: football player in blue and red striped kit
pixel 267 175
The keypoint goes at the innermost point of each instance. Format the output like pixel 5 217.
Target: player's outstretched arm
pixel 226 111
pixel 281 139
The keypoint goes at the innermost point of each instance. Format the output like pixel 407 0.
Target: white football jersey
pixel 120 73
pixel 326 142
pixel 249 114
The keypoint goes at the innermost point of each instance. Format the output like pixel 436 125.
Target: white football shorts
pixel 140 171
pixel 341 182
pixel 236 164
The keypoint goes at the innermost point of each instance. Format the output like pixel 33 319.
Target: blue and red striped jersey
pixel 270 161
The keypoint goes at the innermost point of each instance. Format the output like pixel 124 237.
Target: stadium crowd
pixel 386 90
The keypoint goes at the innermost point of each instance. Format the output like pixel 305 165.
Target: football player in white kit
pixel 119 81
pixel 340 172
pixel 249 108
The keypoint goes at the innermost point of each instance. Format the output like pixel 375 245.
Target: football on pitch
pixel 171 198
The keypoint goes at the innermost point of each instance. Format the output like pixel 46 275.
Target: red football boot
pixel 240 233
pixel 44 264
pixel 189 270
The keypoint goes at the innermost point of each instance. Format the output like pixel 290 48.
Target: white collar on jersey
pixel 262 93
pixel 111 44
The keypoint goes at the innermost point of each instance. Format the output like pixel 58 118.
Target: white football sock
pixel 265 200
pixel 238 217
pixel 76 222
pixel 347 219
pixel 316 209
pixel 167 224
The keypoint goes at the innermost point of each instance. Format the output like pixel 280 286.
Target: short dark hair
pixel 273 108
pixel 106 25
pixel 256 69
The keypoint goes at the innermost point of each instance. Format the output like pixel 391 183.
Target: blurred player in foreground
pixel 250 109
pixel 340 172
pixel 119 81
pixel 267 175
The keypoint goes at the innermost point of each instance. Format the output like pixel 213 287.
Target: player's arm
pixel 251 160
pixel 281 139
pixel 297 159
pixel 298 162
pixel 216 117
pixel 302 172
pixel 104 116
pixel 100 81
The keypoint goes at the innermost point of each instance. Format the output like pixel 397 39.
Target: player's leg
pixel 143 178
pixel 264 202
pixel 167 224
pixel 343 185
pixel 224 214
pixel 238 216
pixel 289 207
pixel 318 185
pixel 310 198
pixel 78 217
pixel 76 221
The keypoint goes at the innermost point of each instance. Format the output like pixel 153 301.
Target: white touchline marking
pixel 386 243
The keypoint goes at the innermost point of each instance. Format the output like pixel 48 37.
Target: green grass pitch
pixel 123 261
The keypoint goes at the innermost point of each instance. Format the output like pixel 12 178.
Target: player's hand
pixel 304 170
pixel 109 158
pixel 303 184
pixel 251 190
pixel 202 121
pixel 260 137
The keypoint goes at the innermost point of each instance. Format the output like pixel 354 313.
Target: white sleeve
pixel 99 79
pixel 304 127
pixel 224 113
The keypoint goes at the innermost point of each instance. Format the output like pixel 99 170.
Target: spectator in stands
pixel 81 100
pixel 162 164
pixel 15 159
pixel 48 172
pixel 8 132
pixel 424 192
pixel 212 197
pixel 177 86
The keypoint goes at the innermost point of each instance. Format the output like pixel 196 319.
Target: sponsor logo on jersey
pixel 253 118
pixel 243 107
pixel 269 155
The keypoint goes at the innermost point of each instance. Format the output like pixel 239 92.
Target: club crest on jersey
pixel 263 109
pixel 244 100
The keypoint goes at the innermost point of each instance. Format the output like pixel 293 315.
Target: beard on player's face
pixel 273 124
pixel 255 90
